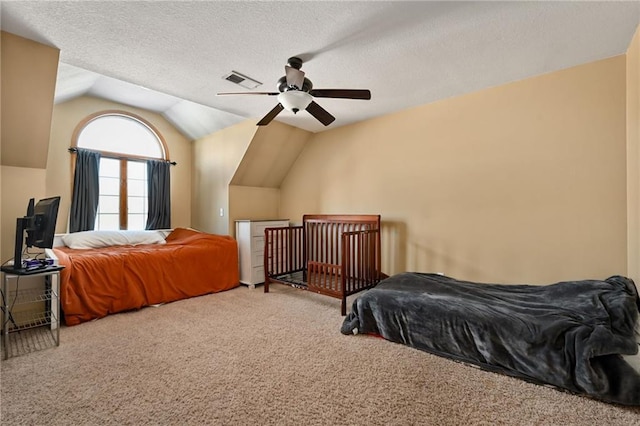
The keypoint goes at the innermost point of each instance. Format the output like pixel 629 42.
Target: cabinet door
pixel 258 274
pixel 250 238
pixel 243 237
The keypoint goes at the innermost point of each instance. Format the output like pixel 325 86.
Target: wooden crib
pixel 334 255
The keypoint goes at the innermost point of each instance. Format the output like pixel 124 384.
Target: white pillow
pixel 98 239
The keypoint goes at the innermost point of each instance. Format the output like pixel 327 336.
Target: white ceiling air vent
pixel 242 80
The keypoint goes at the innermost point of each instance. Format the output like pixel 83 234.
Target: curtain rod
pixel 173 163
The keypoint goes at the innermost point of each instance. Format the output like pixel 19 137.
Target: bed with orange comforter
pixel 102 281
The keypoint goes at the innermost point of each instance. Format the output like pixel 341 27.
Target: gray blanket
pixel 569 334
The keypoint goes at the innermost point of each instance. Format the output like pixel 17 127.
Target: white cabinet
pixel 250 237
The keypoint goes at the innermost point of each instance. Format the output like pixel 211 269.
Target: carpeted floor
pixel 243 357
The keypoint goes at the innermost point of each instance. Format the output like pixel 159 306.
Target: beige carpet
pixel 243 357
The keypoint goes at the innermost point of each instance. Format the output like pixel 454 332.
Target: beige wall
pixel 272 151
pixel 254 191
pixel 239 170
pixel 255 203
pixel 527 182
pixel 633 158
pixel 36 136
pixel 28 81
pixel 215 160
pixel 66 117
pixel 19 184
pixel 523 182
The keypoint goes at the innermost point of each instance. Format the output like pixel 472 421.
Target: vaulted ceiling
pixel 172 56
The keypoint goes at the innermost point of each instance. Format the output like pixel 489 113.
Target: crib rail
pixel 335 255
pixel 283 252
pixel 358 270
pixel 360 260
pixel 325 278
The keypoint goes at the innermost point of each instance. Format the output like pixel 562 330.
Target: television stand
pixel 26 323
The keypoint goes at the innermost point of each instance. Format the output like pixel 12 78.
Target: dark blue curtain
pixel 158 180
pixel 84 200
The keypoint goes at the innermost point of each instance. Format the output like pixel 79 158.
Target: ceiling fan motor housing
pixel 295 62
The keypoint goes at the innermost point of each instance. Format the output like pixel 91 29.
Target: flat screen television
pixel 39 224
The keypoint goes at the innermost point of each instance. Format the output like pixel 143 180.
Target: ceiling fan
pixel 296 93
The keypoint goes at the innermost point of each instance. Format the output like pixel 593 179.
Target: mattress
pixel 103 281
pixel 574 335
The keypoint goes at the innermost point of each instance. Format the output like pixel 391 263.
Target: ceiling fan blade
pixel 270 115
pixel 249 93
pixel 294 77
pixel 320 113
pixel 341 93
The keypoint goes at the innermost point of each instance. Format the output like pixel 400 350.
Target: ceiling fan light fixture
pixel 295 100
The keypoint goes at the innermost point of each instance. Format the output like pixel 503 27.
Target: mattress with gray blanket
pixel 571 335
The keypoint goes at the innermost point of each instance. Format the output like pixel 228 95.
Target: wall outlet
pixel 221 212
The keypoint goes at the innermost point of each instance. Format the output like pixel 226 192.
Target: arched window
pixel 125 142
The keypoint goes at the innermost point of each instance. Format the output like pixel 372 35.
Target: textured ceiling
pixel 406 53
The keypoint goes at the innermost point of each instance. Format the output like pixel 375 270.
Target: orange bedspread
pixel 98 282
